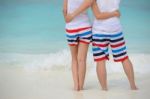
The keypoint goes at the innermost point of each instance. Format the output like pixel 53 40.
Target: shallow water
pixel 30 26
pixel 32 35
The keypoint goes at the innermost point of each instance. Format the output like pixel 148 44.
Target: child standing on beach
pixel 108 32
pixel 79 35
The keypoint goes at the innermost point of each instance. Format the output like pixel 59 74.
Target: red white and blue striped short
pixel 83 35
pixel 101 43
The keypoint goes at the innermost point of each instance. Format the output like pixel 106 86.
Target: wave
pixel 61 61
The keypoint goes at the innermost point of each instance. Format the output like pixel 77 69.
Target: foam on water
pixel 61 61
pixel 30 26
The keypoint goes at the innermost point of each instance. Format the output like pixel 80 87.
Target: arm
pixel 86 4
pixel 103 15
pixel 65 8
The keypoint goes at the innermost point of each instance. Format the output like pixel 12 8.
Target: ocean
pixel 32 34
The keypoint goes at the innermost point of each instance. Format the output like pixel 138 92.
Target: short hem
pixel 84 42
pixel 80 41
pixel 72 44
pixel 121 60
pixel 101 59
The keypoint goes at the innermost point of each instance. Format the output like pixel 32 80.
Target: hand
pixel 69 18
pixel 117 13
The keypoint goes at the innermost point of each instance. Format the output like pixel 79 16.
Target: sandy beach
pixel 46 84
pixel 35 58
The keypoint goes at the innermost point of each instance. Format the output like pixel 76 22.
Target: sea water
pixel 32 34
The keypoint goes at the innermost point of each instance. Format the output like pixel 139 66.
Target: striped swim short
pixel 83 35
pixel 101 43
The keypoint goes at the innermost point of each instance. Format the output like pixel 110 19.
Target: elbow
pixel 100 17
pixel 97 17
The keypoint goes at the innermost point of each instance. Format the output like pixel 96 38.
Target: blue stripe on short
pixel 83 34
pixel 119 50
pixel 105 35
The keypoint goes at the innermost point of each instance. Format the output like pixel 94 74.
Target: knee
pixel 74 60
pixel 81 60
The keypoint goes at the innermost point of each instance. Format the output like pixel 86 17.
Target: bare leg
pixel 128 68
pixel 74 53
pixel 82 55
pixel 101 73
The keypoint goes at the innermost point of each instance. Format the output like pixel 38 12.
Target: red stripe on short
pixel 100 45
pixel 84 42
pixel 72 44
pixel 102 58
pixel 76 30
pixel 122 59
pixel 117 45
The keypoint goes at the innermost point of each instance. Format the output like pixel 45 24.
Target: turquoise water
pixel 32 35
pixel 30 26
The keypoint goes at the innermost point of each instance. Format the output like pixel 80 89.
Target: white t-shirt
pixel 79 21
pixel 111 25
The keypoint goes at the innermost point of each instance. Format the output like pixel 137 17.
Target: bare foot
pixel 134 88
pixel 105 89
pixel 76 88
pixel 81 88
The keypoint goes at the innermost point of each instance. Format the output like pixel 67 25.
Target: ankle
pixel 133 87
pixel 105 89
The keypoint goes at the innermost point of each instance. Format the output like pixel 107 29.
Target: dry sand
pixel 23 84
